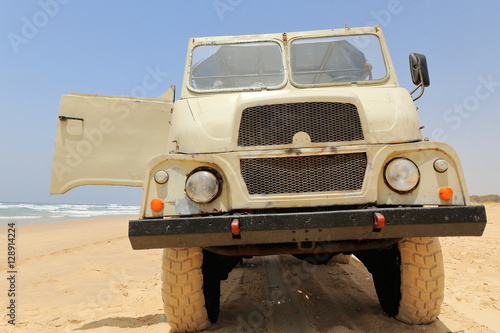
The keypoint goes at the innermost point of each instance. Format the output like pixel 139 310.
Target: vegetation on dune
pixel 485 198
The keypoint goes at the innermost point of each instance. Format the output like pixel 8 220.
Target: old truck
pixel 296 143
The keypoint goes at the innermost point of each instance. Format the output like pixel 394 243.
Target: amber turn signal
pixel 157 204
pixel 446 193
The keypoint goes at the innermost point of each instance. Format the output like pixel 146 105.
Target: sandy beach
pixel 83 276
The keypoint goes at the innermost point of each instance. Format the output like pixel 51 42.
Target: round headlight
pixel 203 186
pixel 402 175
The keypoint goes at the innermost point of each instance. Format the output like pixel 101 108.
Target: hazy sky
pixel 52 47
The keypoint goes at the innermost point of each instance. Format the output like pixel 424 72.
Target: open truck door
pixel 108 140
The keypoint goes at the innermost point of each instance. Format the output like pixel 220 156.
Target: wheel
pixel 182 289
pixel 191 287
pixel 408 278
pixel 342 258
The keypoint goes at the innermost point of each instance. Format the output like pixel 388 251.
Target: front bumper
pixel 307 227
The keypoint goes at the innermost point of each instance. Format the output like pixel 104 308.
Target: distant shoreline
pixel 50 220
pixel 39 213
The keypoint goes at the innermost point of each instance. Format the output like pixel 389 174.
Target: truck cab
pixel 296 143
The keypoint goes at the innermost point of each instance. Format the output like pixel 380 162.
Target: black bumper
pixel 307 227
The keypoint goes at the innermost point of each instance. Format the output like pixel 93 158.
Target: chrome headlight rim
pixel 391 185
pixel 213 195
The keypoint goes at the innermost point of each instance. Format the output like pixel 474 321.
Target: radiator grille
pixel 341 172
pixel 276 124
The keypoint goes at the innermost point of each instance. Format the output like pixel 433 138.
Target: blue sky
pixel 52 47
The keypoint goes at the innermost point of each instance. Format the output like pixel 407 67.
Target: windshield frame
pixel 284 39
pixel 284 62
pixel 341 83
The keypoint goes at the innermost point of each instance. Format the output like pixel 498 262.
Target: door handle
pixel 63 118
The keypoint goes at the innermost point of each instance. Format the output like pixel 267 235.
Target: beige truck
pixel 296 143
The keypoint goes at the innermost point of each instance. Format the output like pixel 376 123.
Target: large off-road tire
pixel 408 278
pixel 182 289
pixel 422 280
pixel 191 286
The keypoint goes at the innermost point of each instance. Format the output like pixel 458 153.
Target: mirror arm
pixel 421 85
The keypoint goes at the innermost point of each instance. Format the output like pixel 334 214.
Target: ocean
pixel 31 213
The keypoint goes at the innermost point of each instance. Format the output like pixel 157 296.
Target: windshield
pixel 242 66
pixel 257 65
pixel 319 61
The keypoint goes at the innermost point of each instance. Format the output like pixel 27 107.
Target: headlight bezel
pixel 391 184
pixel 214 194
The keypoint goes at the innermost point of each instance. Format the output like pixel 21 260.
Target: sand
pixel 84 276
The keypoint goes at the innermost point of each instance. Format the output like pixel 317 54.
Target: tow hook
pixel 378 221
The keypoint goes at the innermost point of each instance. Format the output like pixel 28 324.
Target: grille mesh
pixel 276 124
pixel 341 172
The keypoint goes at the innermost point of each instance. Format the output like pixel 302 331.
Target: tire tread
pixel 422 280
pixel 182 289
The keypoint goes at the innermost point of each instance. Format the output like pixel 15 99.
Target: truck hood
pixel 210 124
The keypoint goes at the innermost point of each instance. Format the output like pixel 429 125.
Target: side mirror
pixel 419 72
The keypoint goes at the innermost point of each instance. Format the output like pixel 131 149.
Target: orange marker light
pixel 157 204
pixel 446 193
